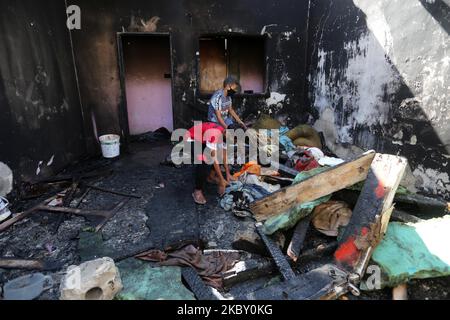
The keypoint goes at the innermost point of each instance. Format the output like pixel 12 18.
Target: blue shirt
pixel 222 103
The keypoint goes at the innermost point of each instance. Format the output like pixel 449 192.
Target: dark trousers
pixel 201 171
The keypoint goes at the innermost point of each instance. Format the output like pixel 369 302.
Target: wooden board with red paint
pixel 372 211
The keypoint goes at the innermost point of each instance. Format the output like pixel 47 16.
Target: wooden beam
pixel 313 285
pixel 8 223
pixel 316 253
pixel 198 287
pixel 10 263
pixel 247 270
pixel 423 202
pixel 118 193
pixel 320 185
pixel 371 214
pixel 280 260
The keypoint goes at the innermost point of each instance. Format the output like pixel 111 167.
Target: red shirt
pixel 207 132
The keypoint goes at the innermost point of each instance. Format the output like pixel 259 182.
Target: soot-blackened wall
pixel 41 127
pixel 379 79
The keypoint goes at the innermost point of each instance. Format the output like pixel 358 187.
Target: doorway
pixel 146 74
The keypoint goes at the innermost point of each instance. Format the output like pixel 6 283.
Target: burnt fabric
pixel 209 267
pixel 239 195
pixel 306 162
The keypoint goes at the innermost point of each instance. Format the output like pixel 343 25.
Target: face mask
pixel 231 92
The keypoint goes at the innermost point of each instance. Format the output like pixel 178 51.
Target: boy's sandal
pixel 202 203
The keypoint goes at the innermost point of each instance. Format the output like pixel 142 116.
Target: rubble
pixel 93 280
pixel 286 257
pixel 355 246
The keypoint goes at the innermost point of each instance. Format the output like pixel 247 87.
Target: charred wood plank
pixel 405 217
pixel 318 252
pixel 313 285
pixel 249 240
pixel 197 286
pixel 105 214
pixel 247 270
pixel 118 193
pixel 283 182
pixel 277 255
pixel 9 263
pixel 371 214
pixel 71 177
pixel 66 202
pixel 298 238
pixel 8 223
pixel 83 196
pixel 420 200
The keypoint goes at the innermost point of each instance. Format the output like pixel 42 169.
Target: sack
pixel 330 216
pixel 305 136
pixel 266 122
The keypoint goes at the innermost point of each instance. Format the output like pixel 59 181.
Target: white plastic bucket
pixel 110 144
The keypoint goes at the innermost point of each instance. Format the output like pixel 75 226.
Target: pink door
pixel 148 82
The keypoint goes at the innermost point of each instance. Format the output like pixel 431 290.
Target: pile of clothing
pixel 247 189
pixel 305 159
pixel 302 144
pixel 309 158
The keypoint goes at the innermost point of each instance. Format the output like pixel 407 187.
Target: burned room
pixel 237 150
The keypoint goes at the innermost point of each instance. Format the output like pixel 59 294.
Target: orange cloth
pixel 252 167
